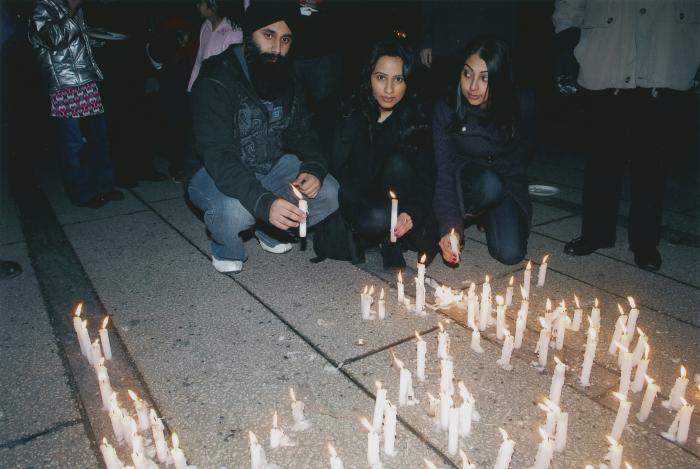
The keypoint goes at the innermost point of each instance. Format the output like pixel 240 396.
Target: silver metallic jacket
pixel 62 46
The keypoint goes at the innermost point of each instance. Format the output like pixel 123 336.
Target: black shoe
pixel 112 195
pixel 392 257
pixel 647 258
pixel 95 202
pixel 9 269
pixel 582 247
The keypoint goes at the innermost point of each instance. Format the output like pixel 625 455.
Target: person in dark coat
pixel 382 144
pixel 484 136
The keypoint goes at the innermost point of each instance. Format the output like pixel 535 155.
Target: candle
pixel 84 340
pixel 389 429
pixel 104 383
pixel 677 392
pixel 275 433
pixel 131 429
pixel 542 272
pixel 476 341
pixel 104 339
pixel 115 417
pixel 433 405
pixel 453 431
pixel 589 354
pixel 421 348
pixel 454 243
pixel 642 341
pixel 678 431
pixel 406 396
pixel 595 315
pixel 77 325
pixel 620 328
pixel 521 323
pixel 429 464
pixel 300 422
pixel 304 207
pixel 485 308
pixel 466 411
pixel 648 400
pixel 472 306
pixel 109 454
pixel 505 452
pixel 545 452
pixel 623 412
pixel 526 278
pixel 578 316
pixel 509 291
pixel 557 381
pixel 366 301
pixel 632 317
pixel 445 406
pixel 181 463
pixel 379 403
pixel 625 372
pixel 336 462
pixel 443 350
pixel 140 461
pixel 446 376
pixel 372 444
pixel 394 216
pixel 542 348
pixel 640 374
pixel 162 452
pixel 399 287
pixel 500 317
pixel 421 269
pixel 465 461
pixel 257 453
pixel 562 323
pixel 141 411
pixel 420 296
pixel 562 429
pixel 381 308
pixel 614 453
pixel 551 411
pixel 622 346
pixel 506 352
pixel 137 446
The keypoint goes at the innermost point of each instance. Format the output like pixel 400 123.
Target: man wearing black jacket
pixel 252 131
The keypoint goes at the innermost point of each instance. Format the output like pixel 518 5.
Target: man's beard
pixel 269 73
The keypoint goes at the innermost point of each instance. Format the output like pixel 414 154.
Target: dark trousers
pixel 635 128
pixel 85 162
pixel 506 223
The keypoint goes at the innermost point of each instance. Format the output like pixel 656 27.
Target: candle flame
pixel 398 362
pixel 429 464
pixel 274 420
pixel 613 442
pixel 504 434
pixel 251 436
pixel 595 302
pixel 633 305
pixel 463 456
pixel 641 333
pixel 367 425
pixel 487 280
pixel 420 339
pixel 649 380
pixel 378 385
pixel 381 295
pixel 544 259
pixel 499 300
pixel 550 405
pixel 647 349
pixel 431 397
pixel 621 347
pixel 297 194
pixel 332 451
pixel 543 433
pixel 529 265
pixel 682 371
pixel 543 407
pixel 400 277
pixel 371 290
pixel 78 310
pixel 104 322
pixel 578 305
pixel 622 311
pixel 559 362
pixel 176 440
pixel 392 194
pixel 452 232
pixel 104 441
pixel 442 329
pixel 619 397
pixel 548 304
pixel 292 395
pixel 563 304
pixel 683 401
pixel 132 395
pixel 628 465
pixel 364 290
pixel 423 258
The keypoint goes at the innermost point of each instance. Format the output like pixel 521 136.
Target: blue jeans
pixel 85 163
pixel 226 217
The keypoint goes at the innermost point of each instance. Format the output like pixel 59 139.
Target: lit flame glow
pixel 297 194
pixel 104 322
pixel 487 279
pixel 400 277
pixel 619 397
pixel 442 329
pixel 641 333
pixel 392 195
pixel 366 424
pixel 613 442
pixel 78 309
pixel 463 456
pixel 510 282
pixel 545 258
pixel 251 436
pixel 132 395
pixel 176 440
pixel 529 265
pixel 371 290
pixel 292 395
pixel 504 434
pixel 647 349
pixel 381 295
pixel 398 362
pixel 274 420
pixel 633 305
pixel 332 451
pixel 378 385
pixel 648 380
pixel 578 305
pixel 622 311
pixel 595 302
pixel 559 362
pixel 682 371
pixel 423 258
pixel 543 433
pixel 548 305
pixel 420 339
pixel 499 300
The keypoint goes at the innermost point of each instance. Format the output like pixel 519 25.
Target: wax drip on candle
pixel 399 288
pixel 104 339
pixel 381 308
pixel 421 348
pixel 614 453
pixel 141 411
pixel 300 422
pixel 465 460
pixel 406 394
pixel 379 405
pixel 277 437
pixel 526 278
pixel 505 452
pixel 677 392
pixel 542 348
pixel 372 444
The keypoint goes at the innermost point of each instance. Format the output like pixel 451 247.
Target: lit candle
pixel 389 429
pixel 542 272
pixel 366 301
pixel 115 417
pixel 131 431
pixel 521 323
pixel 446 376
pixel 141 411
pixel 509 291
pixel 420 297
pixel 433 405
pixel 429 464
pixel 162 451
pixel 485 308
pixel 454 243
pixel 104 339
pixel 399 288
pixel 506 351
pixel 545 452
pixel 443 350
pixel 84 340
pixel 589 354
pixel 445 406
pixel 300 422
pixel 453 431
pixel 551 410
pixel 500 317
pixel 614 453
pixel 139 460
pixel 505 452
pixel 542 348
pixel 109 454
pixel 562 323
pixel 472 306
pixel 465 461
pixel 466 410
pixel 78 325
pixel 623 412
pixel 640 374
pixel 632 317
pixel 677 392
pixel 620 328
pixel 640 347
pixel 648 400
pixel 406 396
pixel 336 462
pixel 476 341
pixel 557 381
pixel 381 308
pixel 304 207
pixel 526 278
pixel 622 347
pixel 104 383
pixel 275 433
pixel 421 269
pixel 421 348
pixel 678 431
pixel 595 315
pixel 372 444
pixel 578 316
pixel 257 453
pixel 379 403
pixel 180 461
pixel 562 430
pixel 394 216
pixel 625 371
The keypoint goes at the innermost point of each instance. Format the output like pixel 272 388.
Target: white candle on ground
pixel 421 348
pixel 421 269
pixel 465 461
pixel 642 342
pixel 381 307
pixel 445 406
pixel 141 411
pixel 300 422
pixel 276 433
pixel 77 326
pixel 443 350
pixel 557 381
pixel 526 279
pixel 372 444
pixel 420 296
pixel 84 339
pixel 485 309
pixel 472 305
pixel 466 415
pixel 389 429
pixel 641 372
pixel 648 400
pixel 505 452
pixel 453 431
pixel 304 207
pixel 595 315
pixel 379 403
pixel 104 383
pixel 625 372
pixel 542 272
pixel 562 323
pixel 405 384
pixel 476 341
pixel 454 243
pixel 447 376
pixel 551 411
pixel 677 391
pixel 632 317
pixel 104 339
pixel 115 417
pixel 180 461
pixel 500 317
pixel 521 322
pixel 620 328
pixel 589 355
pixel 545 452
pixel 614 453
pixel 257 453
pixel 542 348
pixel 562 430
pixel 678 431
pixel 509 291
pixel 578 316
pixel 623 412
pixel 394 216
pixel 162 451
pixel 336 462
pixel 109 454
pixel 506 352
pixel 366 303
pixel 399 288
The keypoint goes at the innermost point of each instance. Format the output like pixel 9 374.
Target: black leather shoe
pixel 582 247
pixel 112 195
pixel 647 258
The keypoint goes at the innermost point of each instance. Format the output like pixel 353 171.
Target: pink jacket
pixel 214 42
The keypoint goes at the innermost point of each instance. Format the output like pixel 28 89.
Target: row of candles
pixel 134 432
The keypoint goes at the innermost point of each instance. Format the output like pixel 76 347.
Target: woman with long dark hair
pixel 381 144
pixel 484 135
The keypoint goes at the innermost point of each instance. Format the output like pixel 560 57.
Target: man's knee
pixel 226 214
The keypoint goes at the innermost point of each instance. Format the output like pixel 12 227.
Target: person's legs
pixel 224 216
pixel 102 171
pixel 507 230
pixel 481 189
pixel 76 177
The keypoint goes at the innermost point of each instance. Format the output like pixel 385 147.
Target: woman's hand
pixel 404 224
pixel 446 248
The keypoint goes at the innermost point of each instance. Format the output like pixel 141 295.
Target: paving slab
pixel 544 214
pixel 35 390
pixel 218 363
pixel 66 447
pixel 152 191
pixel 10 229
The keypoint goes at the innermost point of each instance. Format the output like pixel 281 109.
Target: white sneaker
pixel 280 248
pixel 225 267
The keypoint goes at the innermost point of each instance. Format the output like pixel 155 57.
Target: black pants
pixel 506 223
pixel 634 127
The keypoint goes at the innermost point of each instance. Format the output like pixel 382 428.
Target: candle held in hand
pixel 394 216
pixel 304 207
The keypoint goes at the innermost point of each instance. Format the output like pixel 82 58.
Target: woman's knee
pixel 508 253
pixel 485 188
